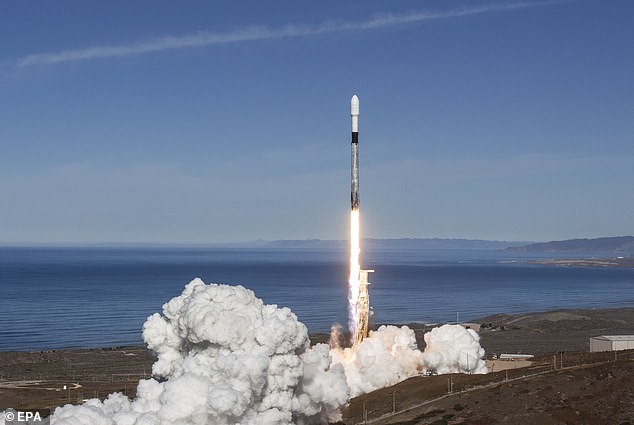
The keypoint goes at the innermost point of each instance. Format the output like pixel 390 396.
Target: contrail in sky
pixel 202 39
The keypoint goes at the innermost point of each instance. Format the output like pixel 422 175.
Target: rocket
pixel 359 297
pixel 354 113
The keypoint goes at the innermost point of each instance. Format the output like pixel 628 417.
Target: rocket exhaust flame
pixel 355 271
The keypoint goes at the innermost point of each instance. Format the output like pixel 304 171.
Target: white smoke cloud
pixel 388 356
pixel 224 357
pixel 454 349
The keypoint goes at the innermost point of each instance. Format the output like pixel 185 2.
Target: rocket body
pixel 358 296
pixel 354 113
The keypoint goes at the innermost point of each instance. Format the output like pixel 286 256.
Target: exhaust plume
pixel 454 349
pixel 355 271
pixel 224 357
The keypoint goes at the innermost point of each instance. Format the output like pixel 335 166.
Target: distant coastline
pixel 400 243
pixel 618 262
pixel 605 246
pixel 617 244
pixel 368 243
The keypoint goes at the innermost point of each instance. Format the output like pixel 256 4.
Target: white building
pixel 611 343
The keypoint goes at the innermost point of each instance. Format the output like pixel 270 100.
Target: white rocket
pixel 360 297
pixel 354 113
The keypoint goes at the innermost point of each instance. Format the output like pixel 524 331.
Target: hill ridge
pixel 615 244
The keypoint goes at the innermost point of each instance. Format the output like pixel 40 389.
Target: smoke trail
pixel 249 34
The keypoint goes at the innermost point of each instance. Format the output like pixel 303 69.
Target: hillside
pixel 619 244
pixel 402 243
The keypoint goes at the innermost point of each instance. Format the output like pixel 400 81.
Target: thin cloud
pixel 205 39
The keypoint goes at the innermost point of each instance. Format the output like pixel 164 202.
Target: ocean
pixel 54 298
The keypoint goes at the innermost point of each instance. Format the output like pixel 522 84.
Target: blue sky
pixel 202 122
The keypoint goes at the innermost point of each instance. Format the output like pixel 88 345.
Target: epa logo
pixel 26 417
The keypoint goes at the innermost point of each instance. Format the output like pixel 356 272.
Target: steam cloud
pixel 454 349
pixel 224 357
pixel 390 355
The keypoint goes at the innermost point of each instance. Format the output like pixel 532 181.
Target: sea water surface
pixel 96 297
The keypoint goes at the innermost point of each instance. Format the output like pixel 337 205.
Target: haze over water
pixel 95 297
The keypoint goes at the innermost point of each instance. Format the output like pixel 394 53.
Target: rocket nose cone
pixel 354 105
